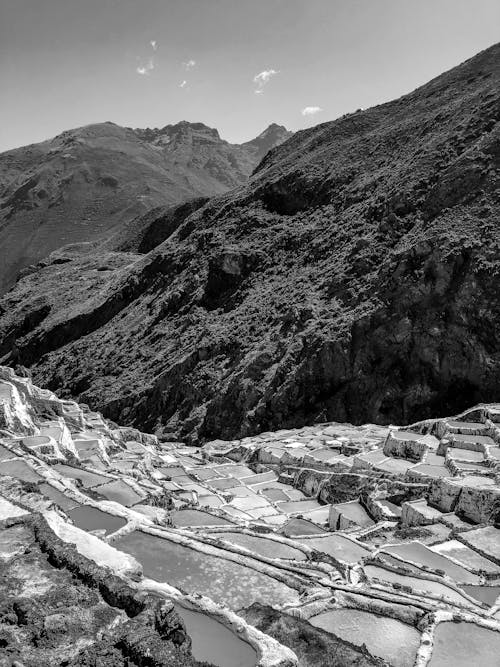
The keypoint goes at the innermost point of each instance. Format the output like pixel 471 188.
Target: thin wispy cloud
pixel 189 64
pixel 311 111
pixel 147 68
pixel 262 79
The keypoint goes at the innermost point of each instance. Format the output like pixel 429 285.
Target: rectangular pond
pixel 220 579
pixel 88 479
pixel 193 517
pixel 384 637
pixel 20 470
pixel 262 546
pixel 90 518
pixel 57 496
pixel 120 492
pixel 418 553
pixel 465 645
pixel 212 642
pixel 417 584
pixel 338 547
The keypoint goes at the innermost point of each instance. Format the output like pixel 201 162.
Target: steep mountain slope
pixel 87 182
pixel 354 278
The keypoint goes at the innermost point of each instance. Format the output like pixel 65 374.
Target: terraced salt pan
pixel 487 594
pixel 222 580
pixel 58 497
pixel 90 518
pixel 88 479
pixel 298 507
pixel 6 453
pixel 484 540
pixel 212 642
pixel 464 645
pixel 193 517
pixel 426 470
pixel 298 527
pixel 20 470
pixel 418 553
pixel 262 546
pixel 120 492
pixel 384 637
pixel 418 585
pixel 469 557
pixel 337 546
pixel 237 471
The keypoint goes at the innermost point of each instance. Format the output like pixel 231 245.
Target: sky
pixel 237 65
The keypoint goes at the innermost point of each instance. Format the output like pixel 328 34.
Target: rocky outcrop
pixel 349 280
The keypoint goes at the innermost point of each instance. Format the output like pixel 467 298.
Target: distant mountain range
pixel 88 182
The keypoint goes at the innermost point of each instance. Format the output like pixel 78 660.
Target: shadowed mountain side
pixel 355 277
pixel 85 184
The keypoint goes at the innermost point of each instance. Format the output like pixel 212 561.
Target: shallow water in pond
pixel 420 554
pixel 6 453
pixel 385 637
pixel 220 579
pixel 90 518
pixel 487 594
pixel 88 479
pixel 189 517
pixel 301 527
pixel 20 470
pixel 57 496
pixel 424 586
pixel 464 645
pixel 337 546
pixel 262 546
pixel 120 492
pixel 214 643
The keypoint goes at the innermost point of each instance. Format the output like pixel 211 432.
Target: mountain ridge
pixel 348 280
pixel 86 183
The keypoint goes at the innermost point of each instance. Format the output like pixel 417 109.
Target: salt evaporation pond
pixel 465 644
pixel 384 637
pixel 6 453
pixel 214 643
pixel 20 470
pixel 416 552
pixel 57 496
pixel 192 517
pixel 422 586
pixel 262 546
pixel 90 518
pixel 88 479
pixel 338 547
pixel 301 527
pixel 119 492
pixel 220 579
pixel 486 594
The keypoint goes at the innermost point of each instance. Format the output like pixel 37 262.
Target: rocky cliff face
pixel 354 278
pixel 87 183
